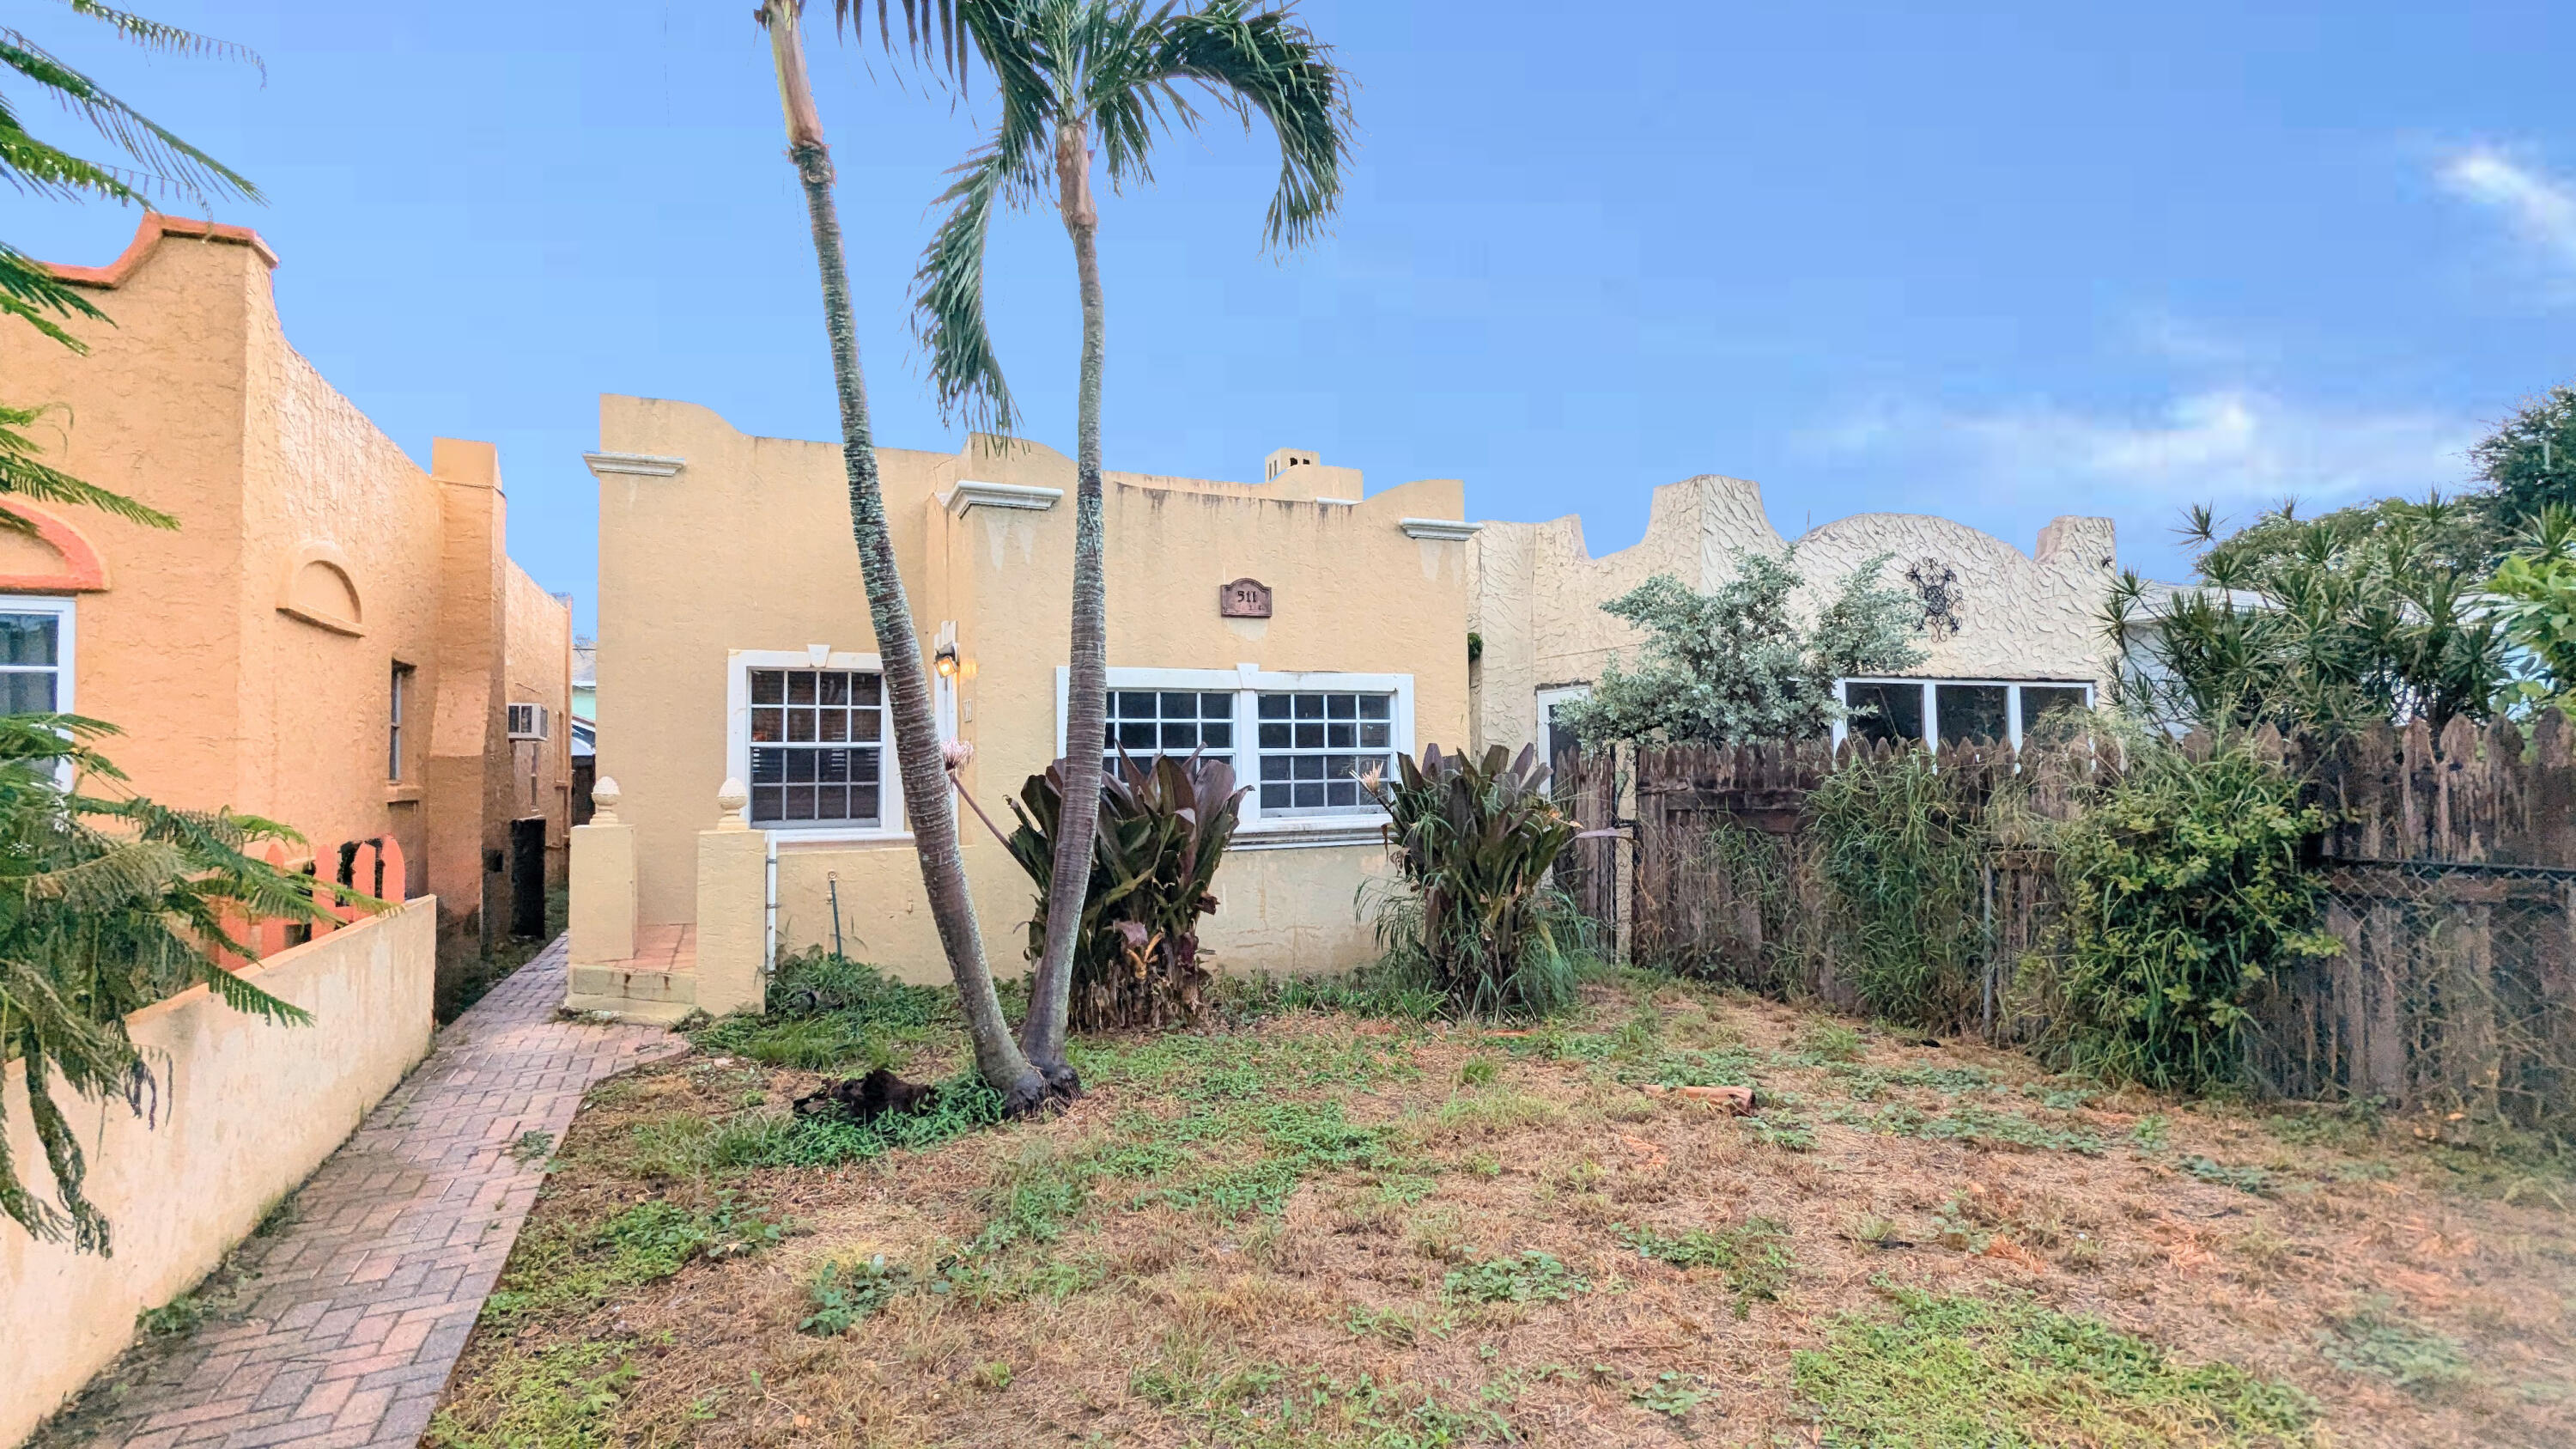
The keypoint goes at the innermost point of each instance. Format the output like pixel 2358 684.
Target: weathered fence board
pixel 2449 862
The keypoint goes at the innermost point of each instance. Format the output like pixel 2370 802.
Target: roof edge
pixel 147 235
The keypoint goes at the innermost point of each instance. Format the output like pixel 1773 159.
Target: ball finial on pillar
pixel 604 796
pixel 730 798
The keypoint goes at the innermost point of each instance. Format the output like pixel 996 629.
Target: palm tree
pixel 155 161
pixel 998 1058
pixel 1072 73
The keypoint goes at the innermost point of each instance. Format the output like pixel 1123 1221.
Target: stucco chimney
pixel 1283 459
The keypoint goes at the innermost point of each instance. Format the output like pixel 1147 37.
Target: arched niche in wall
pixel 319 590
pixel 53 558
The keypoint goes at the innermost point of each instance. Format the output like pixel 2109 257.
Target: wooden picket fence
pixel 2451 868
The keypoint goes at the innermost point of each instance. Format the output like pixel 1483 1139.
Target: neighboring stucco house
pixel 2007 634
pixel 333 637
pixel 1286 625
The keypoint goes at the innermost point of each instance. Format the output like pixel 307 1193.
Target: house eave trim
pixel 971 494
pixel 648 465
pixel 1444 530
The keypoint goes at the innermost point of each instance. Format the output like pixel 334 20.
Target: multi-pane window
pixel 817 746
pixel 1144 723
pixel 1314 746
pixel 1954 711
pixel 31 663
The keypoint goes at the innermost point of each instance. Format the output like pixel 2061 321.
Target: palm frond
pixel 1259 60
pixel 948 302
pixel 22 474
pixel 30 292
pixel 167 162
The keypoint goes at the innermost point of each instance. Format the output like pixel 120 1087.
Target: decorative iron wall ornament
pixel 1937 585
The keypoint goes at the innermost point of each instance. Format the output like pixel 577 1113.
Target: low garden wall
pixel 246 1110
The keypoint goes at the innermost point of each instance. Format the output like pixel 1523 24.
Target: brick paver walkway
pixel 352 1316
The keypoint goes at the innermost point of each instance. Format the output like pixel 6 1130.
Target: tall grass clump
pixel 1473 915
pixel 2183 896
pixel 829 1013
pixel 1899 852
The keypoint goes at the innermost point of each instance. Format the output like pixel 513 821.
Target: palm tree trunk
pixel 1087 675
pixel 916 735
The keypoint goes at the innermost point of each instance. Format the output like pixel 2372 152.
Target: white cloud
pixel 2541 207
pixel 2226 444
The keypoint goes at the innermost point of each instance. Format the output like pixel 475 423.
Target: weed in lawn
pixel 847 1294
pixel 2347 1126
pixel 563 1269
pixel 1672 1395
pixel 1532 1277
pixel 2373 1339
pixel 1786 1131
pixel 2061 1097
pixel 1721 1067
pixel 991 1376
pixel 671 1144
pixel 1868 1083
pixel 1964 1371
pixel 777 1139
pixel 1402 1327
pixel 180 1315
pixel 1299 1140
pixel 1754 1255
pixel 1489 1114
pixel 532 1148
pixel 1985 1127
pixel 1270 1404
pixel 1478 1072
pixel 2255 1180
pixel 1821 1041
pixel 561 1397
pixel 829 1014
pixel 2151 1133
pixel 1211 1067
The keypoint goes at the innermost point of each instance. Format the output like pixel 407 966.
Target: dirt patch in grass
pixel 1321 1229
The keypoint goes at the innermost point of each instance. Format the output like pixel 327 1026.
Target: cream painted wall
pixel 246 1111
pixel 1539 591
pixel 746 546
pixel 196 403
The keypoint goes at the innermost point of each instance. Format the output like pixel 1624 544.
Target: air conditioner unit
pixel 527 721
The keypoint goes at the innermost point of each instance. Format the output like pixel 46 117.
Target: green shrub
pixel 2182 897
pixel 1474 917
pixel 1163 829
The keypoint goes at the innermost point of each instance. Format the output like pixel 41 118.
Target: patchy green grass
pixel 1532 1277
pixel 1956 1372
pixel 2374 1339
pixel 1753 1255
pixel 1980 1126
pixel 560 1268
pixel 555 1398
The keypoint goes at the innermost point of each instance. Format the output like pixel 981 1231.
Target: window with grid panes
pixel 31 664
pixel 1144 723
pixel 1314 746
pixel 817 747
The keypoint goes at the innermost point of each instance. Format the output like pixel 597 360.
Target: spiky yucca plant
pixel 1161 833
pixel 108 903
pixel 1473 840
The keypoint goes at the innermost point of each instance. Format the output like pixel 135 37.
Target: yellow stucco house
pixel 1290 626
pixel 333 637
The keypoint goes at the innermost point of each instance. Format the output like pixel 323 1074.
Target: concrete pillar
pixel 603 883
pixel 733 909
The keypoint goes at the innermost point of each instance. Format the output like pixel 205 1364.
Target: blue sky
pixel 1998 261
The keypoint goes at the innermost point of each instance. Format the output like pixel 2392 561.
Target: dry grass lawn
pixel 1318 1228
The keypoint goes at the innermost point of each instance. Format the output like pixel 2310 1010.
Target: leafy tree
pixel 1073 73
pixel 2529 461
pixel 2372 613
pixel 998 1059
pixel 109 903
pixel 155 161
pixel 2535 586
pixel 1741 664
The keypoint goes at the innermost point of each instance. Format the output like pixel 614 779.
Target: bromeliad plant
pixel 1476 918
pixel 1162 831
pixel 109 903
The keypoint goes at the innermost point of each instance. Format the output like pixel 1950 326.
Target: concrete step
pixel 680 987
pixel 620 1008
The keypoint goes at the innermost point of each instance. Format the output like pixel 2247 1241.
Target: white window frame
pixel 738 666
pixel 1932 699
pixel 66 654
pixel 1544 735
pixel 1247 683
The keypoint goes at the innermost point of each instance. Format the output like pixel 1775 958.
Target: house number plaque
pixel 1243 599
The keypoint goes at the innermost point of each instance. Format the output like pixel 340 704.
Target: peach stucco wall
pixel 245 1110
pixel 747 547
pixel 247 656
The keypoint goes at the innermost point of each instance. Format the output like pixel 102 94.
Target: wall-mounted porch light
pixel 945 661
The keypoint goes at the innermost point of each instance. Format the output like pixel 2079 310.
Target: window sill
pixel 1311 833
pixel 403 794
pixel 786 837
